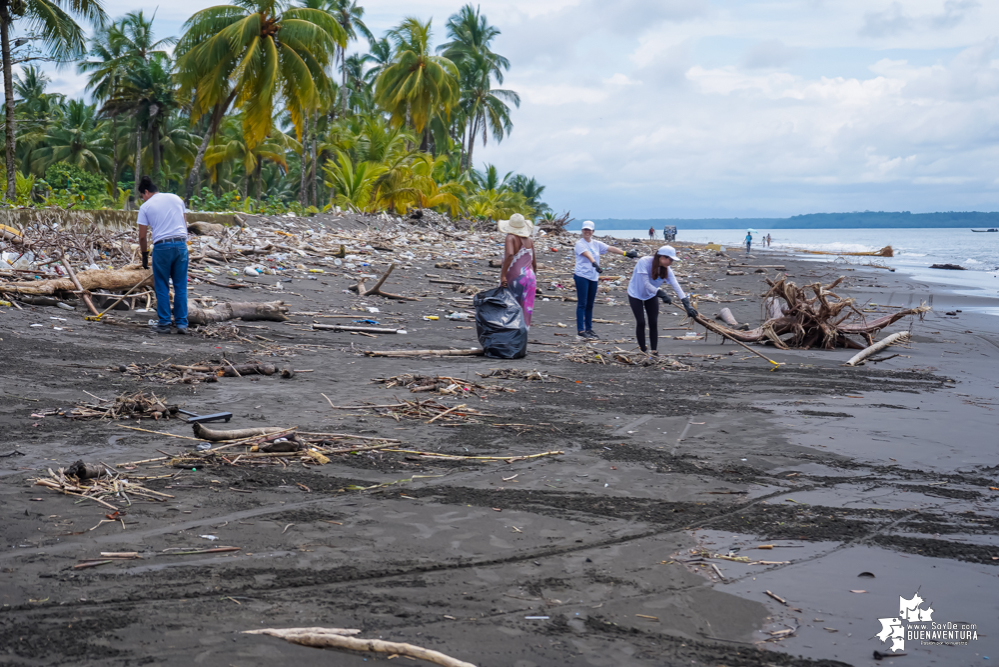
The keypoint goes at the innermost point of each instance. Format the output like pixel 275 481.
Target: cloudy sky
pixel 703 108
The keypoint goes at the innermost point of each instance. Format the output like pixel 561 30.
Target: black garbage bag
pixel 499 322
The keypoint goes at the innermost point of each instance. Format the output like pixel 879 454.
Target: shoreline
pixel 605 554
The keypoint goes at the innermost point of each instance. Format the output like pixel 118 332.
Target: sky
pixel 729 108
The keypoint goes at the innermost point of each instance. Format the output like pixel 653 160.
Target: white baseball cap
pixel 589 225
pixel 668 251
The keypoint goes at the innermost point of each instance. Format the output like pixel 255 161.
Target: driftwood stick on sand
pixel 84 294
pixel 877 347
pixel 424 353
pixel 347 327
pixel 236 434
pixel 334 638
pixel 377 288
pixel 271 311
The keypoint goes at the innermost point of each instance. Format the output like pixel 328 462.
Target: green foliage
pixel 264 111
pixel 68 184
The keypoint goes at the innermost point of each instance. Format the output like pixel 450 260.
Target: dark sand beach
pixel 605 555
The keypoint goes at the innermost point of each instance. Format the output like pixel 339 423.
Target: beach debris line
pixel 345 639
pixel 421 410
pixel 441 384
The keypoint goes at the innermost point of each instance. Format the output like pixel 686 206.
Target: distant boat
pixel 986 230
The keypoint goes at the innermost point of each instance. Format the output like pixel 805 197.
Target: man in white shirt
pixel 162 214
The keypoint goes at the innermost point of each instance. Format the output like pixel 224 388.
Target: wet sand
pixel 593 557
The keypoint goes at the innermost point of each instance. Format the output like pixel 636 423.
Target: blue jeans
pixel 586 295
pixel 170 264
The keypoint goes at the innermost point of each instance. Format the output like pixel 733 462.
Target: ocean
pixel 915 250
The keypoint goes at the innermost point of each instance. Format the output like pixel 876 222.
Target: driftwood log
pixel 814 316
pixel 273 311
pixel 726 316
pixel 337 638
pixel 877 347
pixel 205 228
pixel 215 435
pixel 107 279
pixel 239 370
pixel 82 470
pixel 377 288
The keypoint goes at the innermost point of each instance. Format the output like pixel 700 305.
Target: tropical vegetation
pixel 259 106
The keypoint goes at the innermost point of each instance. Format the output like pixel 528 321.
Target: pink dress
pixel 522 281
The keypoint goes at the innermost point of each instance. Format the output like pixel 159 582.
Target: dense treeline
pixel 260 106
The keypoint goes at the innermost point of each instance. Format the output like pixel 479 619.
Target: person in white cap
pixel 588 254
pixel 644 290
pixel 520 267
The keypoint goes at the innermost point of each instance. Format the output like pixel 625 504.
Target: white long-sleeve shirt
pixel 643 287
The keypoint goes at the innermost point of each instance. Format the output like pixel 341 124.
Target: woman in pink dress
pixel 519 272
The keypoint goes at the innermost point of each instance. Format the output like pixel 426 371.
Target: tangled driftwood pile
pixel 137 405
pixel 813 316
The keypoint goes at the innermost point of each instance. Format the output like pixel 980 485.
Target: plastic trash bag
pixel 499 322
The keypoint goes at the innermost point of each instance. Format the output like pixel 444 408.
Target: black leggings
pixel 641 308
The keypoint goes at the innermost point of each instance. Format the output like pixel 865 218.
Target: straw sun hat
pixel 517 225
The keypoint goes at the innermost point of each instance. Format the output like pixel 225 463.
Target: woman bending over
pixel 645 287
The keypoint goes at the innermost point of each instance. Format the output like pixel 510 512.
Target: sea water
pixel 915 250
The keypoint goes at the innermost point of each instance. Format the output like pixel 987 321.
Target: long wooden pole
pixel 712 327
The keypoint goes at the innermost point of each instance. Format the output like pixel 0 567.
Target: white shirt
pixel 643 287
pixel 163 213
pixel 584 268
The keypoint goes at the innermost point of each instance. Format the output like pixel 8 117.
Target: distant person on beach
pixel 520 266
pixel 162 214
pixel 768 240
pixel 645 290
pixel 588 252
pixel 749 241
pixel 652 233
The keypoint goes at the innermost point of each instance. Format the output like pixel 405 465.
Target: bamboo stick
pixel 877 347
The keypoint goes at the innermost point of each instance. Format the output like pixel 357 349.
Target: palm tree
pixel 471 36
pixel 58 32
pixel 379 56
pixel 349 16
pixel 416 86
pixel 77 138
pixel 484 108
pixel 231 54
pixel 132 74
pixel 532 191
pixel 352 186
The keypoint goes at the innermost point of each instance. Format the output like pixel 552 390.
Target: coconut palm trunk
pixel 217 114
pixel 114 156
pixel 302 194
pixel 8 96
pixel 138 159
pixel 314 185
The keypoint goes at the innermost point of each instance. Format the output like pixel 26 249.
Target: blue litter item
pixel 366 321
